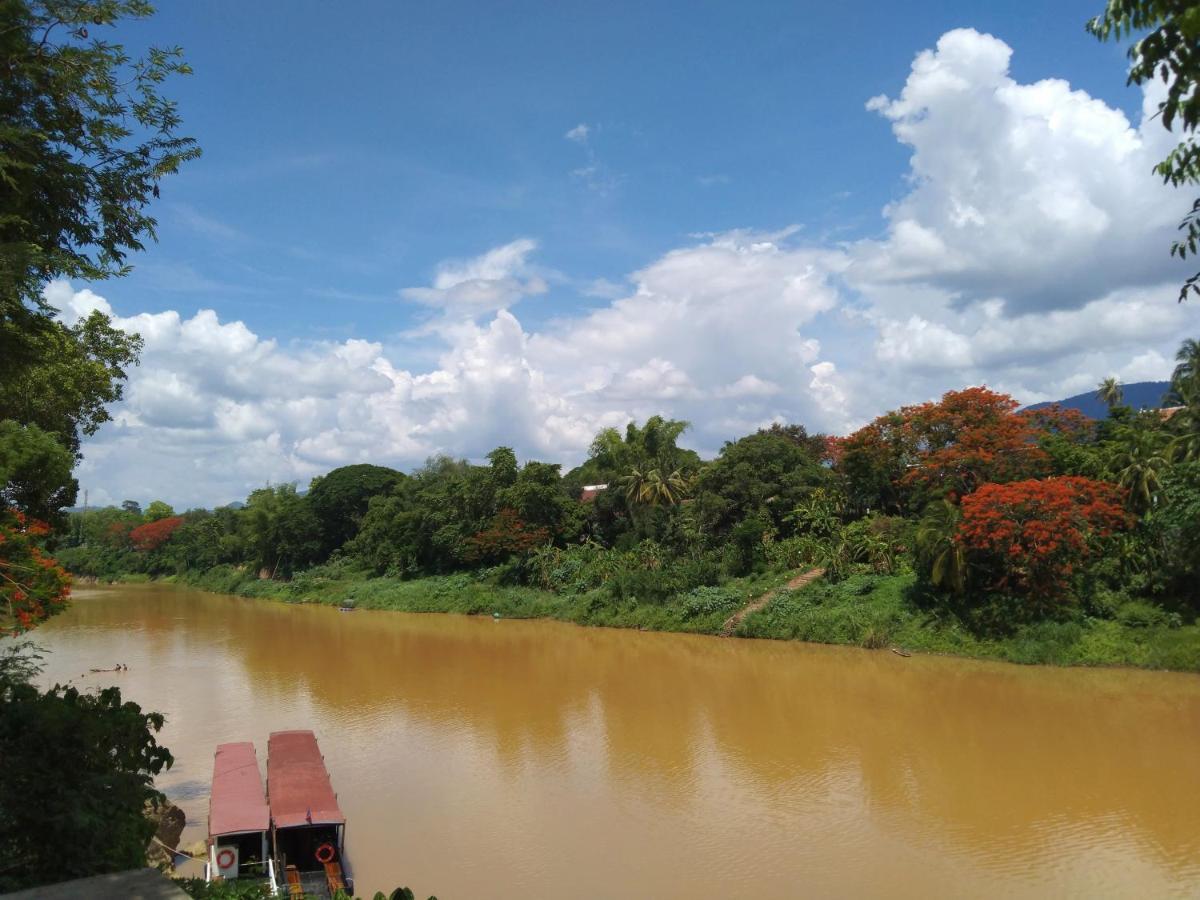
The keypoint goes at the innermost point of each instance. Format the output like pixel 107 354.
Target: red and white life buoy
pixel 225 859
pixel 325 853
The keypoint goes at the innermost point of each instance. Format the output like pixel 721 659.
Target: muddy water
pixel 481 759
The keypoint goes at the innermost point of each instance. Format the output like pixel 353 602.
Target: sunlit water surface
pixel 478 759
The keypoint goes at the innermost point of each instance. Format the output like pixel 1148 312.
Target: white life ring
pixel 225 858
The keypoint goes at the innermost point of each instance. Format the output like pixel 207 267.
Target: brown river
pixel 479 759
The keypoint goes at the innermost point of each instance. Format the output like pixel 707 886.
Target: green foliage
pixel 73 373
pixel 200 889
pixel 1169 51
pixel 1138 458
pixel 710 600
pixel 942 557
pixel 1176 527
pixel 87 138
pixel 652 574
pixel 1141 614
pixel 35 472
pixel 282 532
pixel 762 477
pixel 158 510
pixel 79 770
pixel 340 499
pixel 801 551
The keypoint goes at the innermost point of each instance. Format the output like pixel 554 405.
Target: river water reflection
pixel 480 759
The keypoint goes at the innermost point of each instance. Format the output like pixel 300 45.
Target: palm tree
pixel 1186 425
pixel 649 487
pixel 1185 380
pixel 1109 393
pixel 939 548
pixel 1188 359
pixel 1139 464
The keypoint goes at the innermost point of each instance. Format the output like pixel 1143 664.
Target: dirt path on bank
pixel 758 603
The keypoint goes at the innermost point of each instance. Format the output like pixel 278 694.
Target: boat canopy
pixel 298 787
pixel 236 805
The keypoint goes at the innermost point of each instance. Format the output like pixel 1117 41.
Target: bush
pixel 794 552
pixel 707 601
pixel 1140 614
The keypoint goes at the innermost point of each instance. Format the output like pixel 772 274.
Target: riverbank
pixel 870 611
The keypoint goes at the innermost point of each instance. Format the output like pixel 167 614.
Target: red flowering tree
pixel 507 535
pixel 32 586
pixel 909 456
pixel 1030 537
pixel 154 534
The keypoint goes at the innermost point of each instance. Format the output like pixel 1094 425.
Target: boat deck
pixel 307 885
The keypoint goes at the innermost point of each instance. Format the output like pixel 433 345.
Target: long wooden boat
pixel 238 819
pixel 308 829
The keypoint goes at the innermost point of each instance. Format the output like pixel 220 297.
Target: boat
pixel 238 819
pixel 308 829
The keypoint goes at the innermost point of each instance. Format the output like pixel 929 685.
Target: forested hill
pixel 1139 395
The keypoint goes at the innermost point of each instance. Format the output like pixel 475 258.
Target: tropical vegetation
pixel 974 523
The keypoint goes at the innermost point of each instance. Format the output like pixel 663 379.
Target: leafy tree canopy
pixel 76 371
pixel 35 472
pixel 87 138
pixel 78 772
pixel 339 500
pixel 765 474
pixel 158 510
pixel 282 532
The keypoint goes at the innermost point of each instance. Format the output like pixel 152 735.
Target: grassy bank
pixel 871 611
pixel 880 611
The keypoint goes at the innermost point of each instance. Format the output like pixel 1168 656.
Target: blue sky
pixel 345 156
pixel 427 228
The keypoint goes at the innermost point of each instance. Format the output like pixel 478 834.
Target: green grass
pixel 877 611
pixel 865 610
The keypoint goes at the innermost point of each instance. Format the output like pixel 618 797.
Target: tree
pixel 35 472
pixel 32 586
pixel 155 533
pixel 908 457
pixel 653 445
pixel 340 499
pixel 78 772
pixel 1178 514
pixel 1030 537
pixel 765 474
pixel 87 138
pixel 1170 52
pixel 504 467
pixel 1186 376
pixel 939 549
pixel 651 487
pixel 1185 392
pixel 1109 392
pixel 1138 464
pixel 132 507
pixel 74 373
pixel 282 531
pixel 506 536
pixel 540 498
pixel 158 510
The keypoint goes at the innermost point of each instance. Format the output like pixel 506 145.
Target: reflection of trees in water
pixel 980 757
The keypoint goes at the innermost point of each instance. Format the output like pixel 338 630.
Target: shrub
pixel 708 600
pixel 1140 614
pixel 794 552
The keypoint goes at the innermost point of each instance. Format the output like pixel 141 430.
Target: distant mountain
pixel 1139 395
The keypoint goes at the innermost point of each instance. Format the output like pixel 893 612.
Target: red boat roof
pixel 237 803
pixel 298 788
